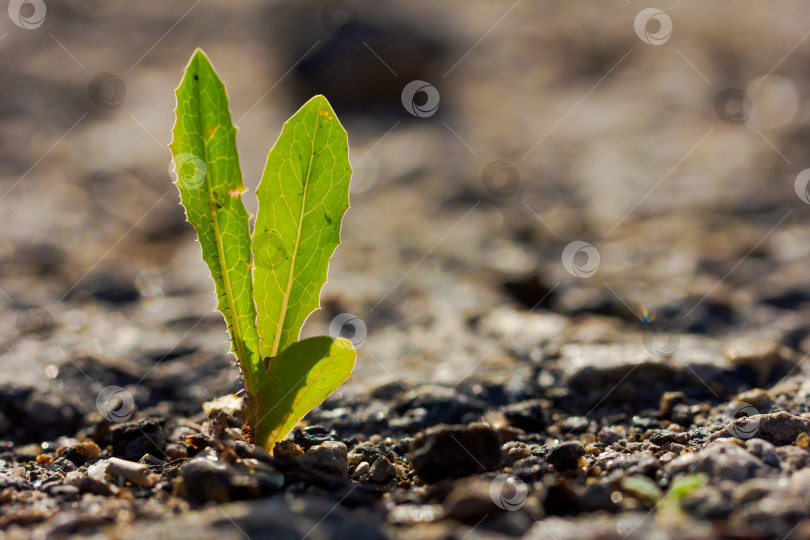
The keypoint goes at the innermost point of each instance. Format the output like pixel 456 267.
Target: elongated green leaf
pixel 296 381
pixel 303 195
pixel 210 183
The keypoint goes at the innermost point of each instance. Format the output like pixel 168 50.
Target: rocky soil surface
pixel 648 382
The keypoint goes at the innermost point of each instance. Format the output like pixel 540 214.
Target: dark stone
pixel 596 497
pixel 49 416
pixel 441 405
pixel 85 484
pixel 371 453
pixel 313 435
pixel 362 88
pixel 668 402
pixel 152 461
pixel 63 465
pixel 565 456
pixel 531 291
pixel 132 440
pixel 608 435
pixel 455 451
pixel 561 499
pixel 684 414
pixel 110 289
pixel 247 450
pixel 661 437
pixel 387 391
pixel 527 415
pixel 79 454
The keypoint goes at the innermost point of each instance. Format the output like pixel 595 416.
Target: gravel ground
pixel 580 280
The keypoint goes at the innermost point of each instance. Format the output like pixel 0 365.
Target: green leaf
pixel 303 195
pixel 296 381
pixel 210 184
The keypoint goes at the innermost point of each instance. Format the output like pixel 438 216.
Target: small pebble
pixel 566 456
pixel 515 451
pixel 287 449
pixel 756 397
pixel 382 471
pixel 330 457
pixel 361 470
pixel 98 470
pixel 89 450
pixel 150 460
pixel 313 435
pixel 609 435
pixel 761 355
pixel 668 402
pixel 587 438
pixel 205 480
pixel 176 451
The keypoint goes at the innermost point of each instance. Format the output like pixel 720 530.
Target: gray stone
pixel 608 435
pixel 205 480
pixel 753 490
pixel 764 450
pixel 760 355
pixel 708 502
pixel 720 461
pixel 382 471
pixel 777 428
pixel 11 480
pixel 330 457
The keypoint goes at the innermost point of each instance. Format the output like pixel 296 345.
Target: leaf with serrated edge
pixel 210 183
pixel 303 195
pixel 296 381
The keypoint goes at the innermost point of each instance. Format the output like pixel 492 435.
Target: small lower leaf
pixel 296 381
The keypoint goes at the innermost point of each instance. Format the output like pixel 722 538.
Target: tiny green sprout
pixel 679 489
pixel 267 283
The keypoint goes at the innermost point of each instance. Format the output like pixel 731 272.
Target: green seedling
pixel 267 283
pixel 680 488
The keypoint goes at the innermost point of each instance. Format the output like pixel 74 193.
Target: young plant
pixel 267 283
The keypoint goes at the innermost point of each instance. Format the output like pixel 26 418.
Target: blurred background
pixel 668 142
